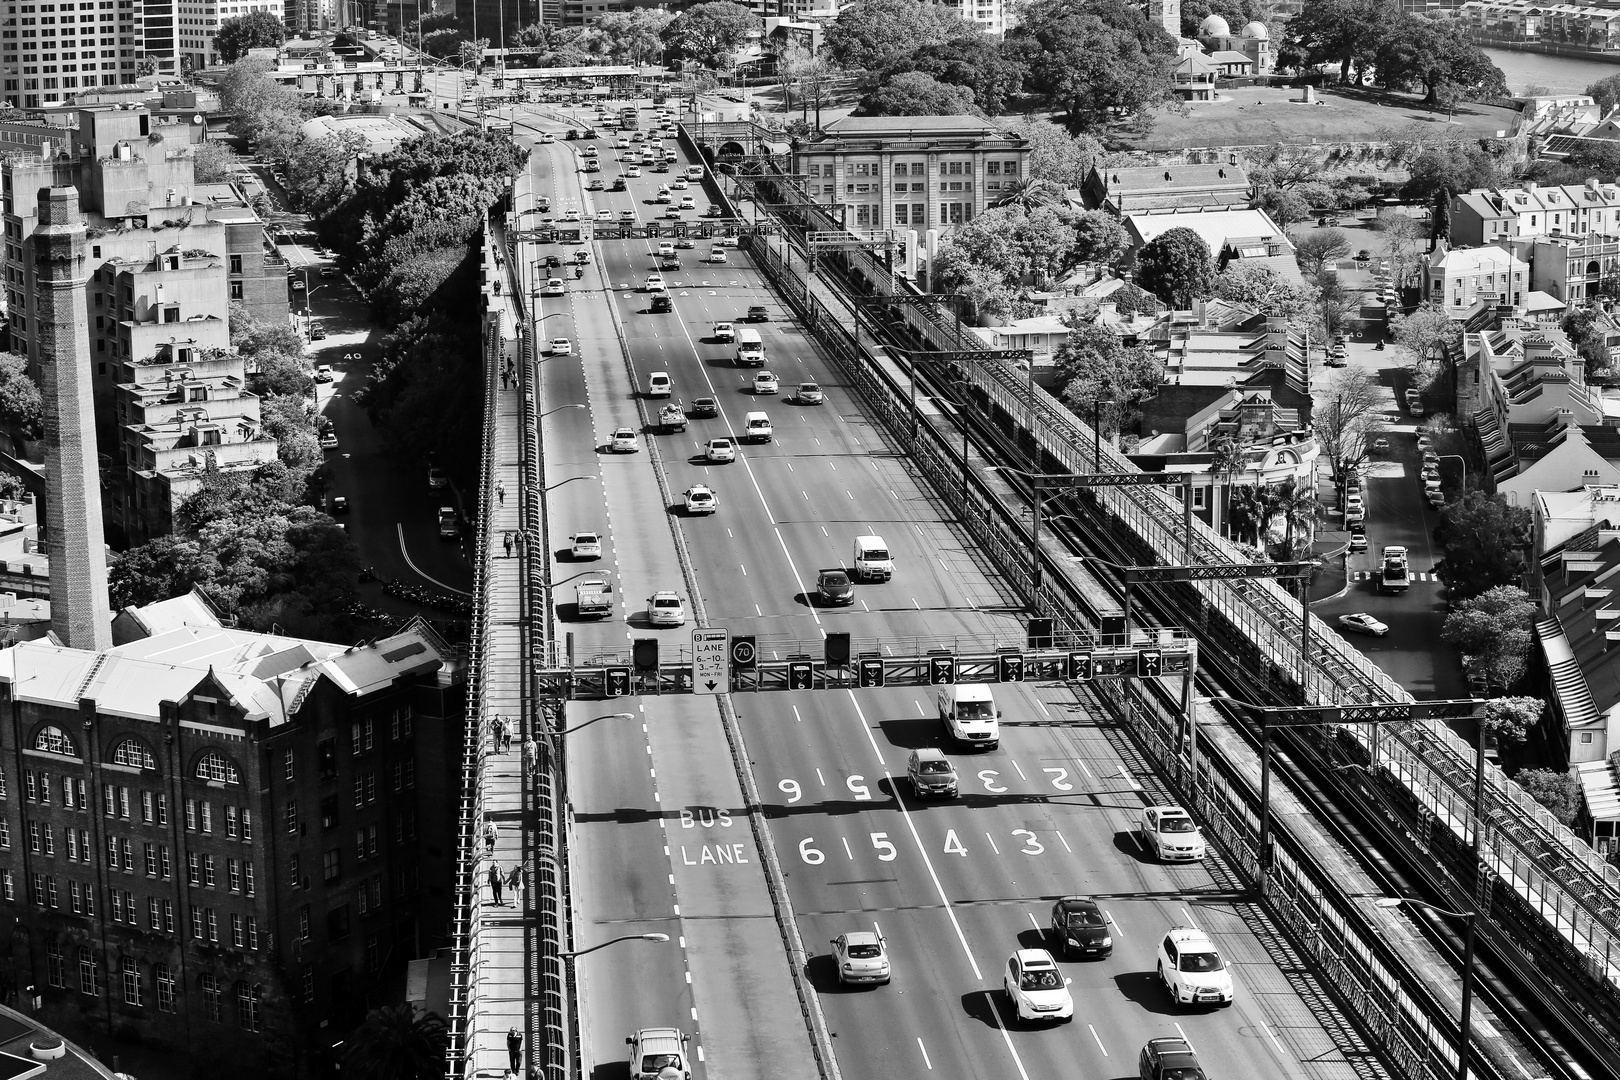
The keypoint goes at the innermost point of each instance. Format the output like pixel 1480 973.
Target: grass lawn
pixel 1258 116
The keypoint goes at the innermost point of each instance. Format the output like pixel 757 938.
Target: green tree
pixel 397 1043
pixel 256 30
pixel 214 162
pixel 1337 306
pixel 1099 237
pixel 1558 792
pixel 1316 249
pixel 1098 61
pixel 1440 172
pixel 1266 292
pixel 1028 194
pixel 1176 267
pixel 1054 154
pixel 1606 92
pixel 1426 338
pixel 1595 157
pixel 1509 719
pixel 22 409
pixel 1590 340
pixel 974 61
pixel 1436 53
pixel 1348 415
pixel 629 37
pixel 1227 459
pixel 1343 32
pixel 1285 206
pixel 711 33
pixel 1493 631
pixel 1237 13
pixel 875 35
pixel 1095 366
pixel 1482 539
pixel 915 94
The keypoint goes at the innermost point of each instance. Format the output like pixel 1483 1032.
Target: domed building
pixel 1247 52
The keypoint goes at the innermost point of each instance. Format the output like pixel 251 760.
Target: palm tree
pixel 1030 194
pixel 1247 513
pixel 1297 504
pixel 1227 460
pixel 397 1043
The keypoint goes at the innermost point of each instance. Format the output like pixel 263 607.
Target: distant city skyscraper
pixel 74 541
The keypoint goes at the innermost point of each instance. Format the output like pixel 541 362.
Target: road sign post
pixel 711 661
pixel 941 669
pixel 617 681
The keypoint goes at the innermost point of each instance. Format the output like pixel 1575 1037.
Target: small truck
pixel 593 599
pixel 671 418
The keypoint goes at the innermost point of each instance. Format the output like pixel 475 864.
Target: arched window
pixel 214 766
pixel 133 752
pixel 53 740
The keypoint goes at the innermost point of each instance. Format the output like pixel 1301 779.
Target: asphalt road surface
pixel 662 842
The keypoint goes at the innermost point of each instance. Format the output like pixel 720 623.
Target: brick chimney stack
pixel 80 616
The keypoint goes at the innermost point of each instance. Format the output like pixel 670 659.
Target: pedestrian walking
pixel 490 834
pixel 515 881
pixel 531 754
pixel 506 737
pixel 508 545
pixel 500 491
pixel 497 727
pixel 495 883
pixel 514 1049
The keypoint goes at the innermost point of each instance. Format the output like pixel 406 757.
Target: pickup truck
pixel 593 599
pixel 672 418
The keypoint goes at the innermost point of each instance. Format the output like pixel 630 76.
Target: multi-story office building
pixel 225 841
pixel 186 32
pixel 163 267
pixel 52 51
pixel 910 172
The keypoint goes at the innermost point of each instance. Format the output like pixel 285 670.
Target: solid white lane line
pixel 1020 772
pixel 1109 915
pixel 1187 915
pixel 1098 1037
pixel 1129 779
pixel 1032 920
pixel 797 719
pixel 744 569
pixel 933 875
pixel 1011 1049
pixel 848 853
pixel 1082 763
pixel 1064 842
pixel 1272 1035
pixel 992 840
pixel 924 1050
pixel 819 777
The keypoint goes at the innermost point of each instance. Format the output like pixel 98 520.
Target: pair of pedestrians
pixel 500 734
pixel 499 881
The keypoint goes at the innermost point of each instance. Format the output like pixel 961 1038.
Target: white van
pixel 872 561
pixel 756 427
pixel 750 349
pixel 969 714
pixel 658 384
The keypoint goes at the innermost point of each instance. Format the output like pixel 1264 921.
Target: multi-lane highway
pixel 661 840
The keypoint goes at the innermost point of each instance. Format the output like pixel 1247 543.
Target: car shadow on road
pixel 1032 939
pixel 611 1070
pixel 822 972
pixel 1145 989
pixel 985 1007
pixel 912 733
pixel 1127 841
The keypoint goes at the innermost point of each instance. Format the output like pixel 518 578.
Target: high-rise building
pixel 52 51
pixel 75 541
pixel 164 260
pixel 224 842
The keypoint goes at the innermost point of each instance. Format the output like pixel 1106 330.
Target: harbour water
pixel 1560 74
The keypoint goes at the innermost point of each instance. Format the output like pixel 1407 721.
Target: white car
pixel 560 347
pixel 604 214
pixel 1036 987
pixel 663 197
pixel 621 143
pixel 861 957
pixel 624 441
pixel 1353 503
pixel 547 137
pixel 1171 834
pixel 765 383
pixel 586 545
pixel 700 500
pixel 666 250
pixel 329 441
pixel 688 203
pixel 720 450
pixel 679 183
pixel 633 171
pixel 323 373
pixel 809 393
pixel 666 609
pixel 1192 970
pixel 571 214
pixel 1363 623
pixel 673 212
pixel 553 287
pixel 655 282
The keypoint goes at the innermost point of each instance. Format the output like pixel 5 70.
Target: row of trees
pixel 1431 53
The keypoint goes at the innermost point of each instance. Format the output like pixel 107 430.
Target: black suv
pixel 1169 1059
pixel 1079 928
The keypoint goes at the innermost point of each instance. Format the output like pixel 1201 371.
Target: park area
pixel 1263 116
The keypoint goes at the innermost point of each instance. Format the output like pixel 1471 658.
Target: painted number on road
pixel 814 856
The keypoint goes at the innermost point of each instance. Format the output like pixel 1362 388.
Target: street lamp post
pixel 614 941
pixel 1464 1032
pixel 1462 461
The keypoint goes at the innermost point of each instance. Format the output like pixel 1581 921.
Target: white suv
pixel 659 1054
pixel 1192 969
